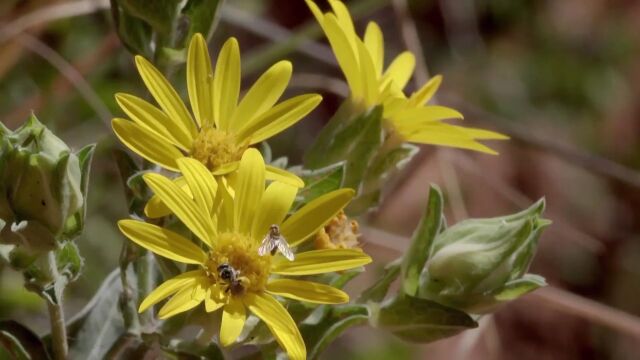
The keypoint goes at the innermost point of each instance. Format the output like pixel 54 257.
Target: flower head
pixel 362 62
pixel 221 126
pixel 232 221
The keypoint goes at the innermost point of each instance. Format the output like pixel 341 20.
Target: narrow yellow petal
pixel 264 93
pixel 284 176
pixel 374 42
pixel 226 214
pixel 170 287
pixel 368 73
pixel 145 114
pixel 315 10
pixel 248 188
pixel 308 220
pixel 163 242
pixel 214 299
pixel 410 119
pixel 165 95
pixel 307 291
pixel 155 207
pixel 199 75
pixel 481 134
pixel 226 83
pixel 279 322
pixel 201 183
pixel 434 138
pixel 274 206
pixel 278 118
pixel 400 69
pixel 183 207
pixel 145 144
pixel 233 318
pixel 320 262
pixel 426 92
pixel 344 20
pixel 185 299
pixel 346 54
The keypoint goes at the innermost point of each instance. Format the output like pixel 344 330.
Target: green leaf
pixel 75 224
pixel 358 144
pixel 319 182
pixel 516 288
pixel 160 14
pixel 135 190
pixel 135 33
pixel 421 242
pixel 203 16
pixel 20 342
pixel 69 260
pixel 379 289
pixel 419 320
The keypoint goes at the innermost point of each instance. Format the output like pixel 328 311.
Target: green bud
pixel 43 185
pixel 478 264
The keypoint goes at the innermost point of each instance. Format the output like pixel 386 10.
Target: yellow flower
pixel 362 62
pixel 231 222
pixel 221 127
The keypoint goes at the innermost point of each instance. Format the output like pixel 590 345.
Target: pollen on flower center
pixel 214 148
pixel 241 253
pixel 339 233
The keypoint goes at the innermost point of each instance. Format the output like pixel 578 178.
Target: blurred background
pixel 562 78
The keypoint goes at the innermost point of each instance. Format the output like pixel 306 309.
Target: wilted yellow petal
pixel 199 76
pixel 145 114
pixel 262 95
pixel 276 202
pixel 201 183
pixel 162 242
pixel 278 118
pixel 185 299
pixel 248 187
pixel 183 206
pixel 170 287
pixel 374 42
pixel 165 95
pixel 279 322
pixel 400 69
pixel 426 92
pixel 233 317
pixel 226 83
pixel 320 262
pixel 307 291
pixel 145 144
pixel 308 220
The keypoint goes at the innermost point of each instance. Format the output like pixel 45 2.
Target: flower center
pixel 235 264
pixel 214 148
pixel 339 233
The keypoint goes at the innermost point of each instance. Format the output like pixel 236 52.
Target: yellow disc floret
pixel 241 253
pixel 214 147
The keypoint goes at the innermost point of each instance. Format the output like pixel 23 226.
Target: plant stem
pixel 56 316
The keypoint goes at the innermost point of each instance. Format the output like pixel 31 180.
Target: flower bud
pixel 478 264
pixel 41 184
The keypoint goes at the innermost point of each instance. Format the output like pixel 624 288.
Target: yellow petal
pixel 343 16
pixel 183 207
pixel 264 93
pixel 278 118
pixel 374 42
pixel 185 299
pixel 156 208
pixel 408 120
pixel 281 175
pixel 149 116
pixel 435 138
pixel 320 262
pixel 233 317
pixel 307 291
pixel 201 183
pixel 226 83
pixel 248 188
pixel 426 92
pixel 145 144
pixel 274 205
pixel 279 322
pixel 308 220
pixel 165 95
pixel 346 54
pixel 162 242
pixel 226 214
pixel 214 299
pixel 315 10
pixel 170 287
pixel 199 75
pixel 368 73
pixel 481 134
pixel 400 69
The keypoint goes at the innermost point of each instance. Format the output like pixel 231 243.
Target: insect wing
pixel 266 246
pixel 284 248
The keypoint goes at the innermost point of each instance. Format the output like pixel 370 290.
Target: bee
pixel 235 283
pixel 273 242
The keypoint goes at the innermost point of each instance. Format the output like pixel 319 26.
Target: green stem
pixel 56 316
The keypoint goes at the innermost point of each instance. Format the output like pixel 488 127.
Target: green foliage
pixel 319 182
pixel 20 343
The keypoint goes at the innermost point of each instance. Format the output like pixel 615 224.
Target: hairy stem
pixel 56 316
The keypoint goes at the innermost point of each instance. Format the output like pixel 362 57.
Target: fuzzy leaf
pixel 160 14
pixel 379 289
pixel 134 32
pixel 202 15
pixel 20 342
pixel 319 182
pixel 336 320
pixel 516 288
